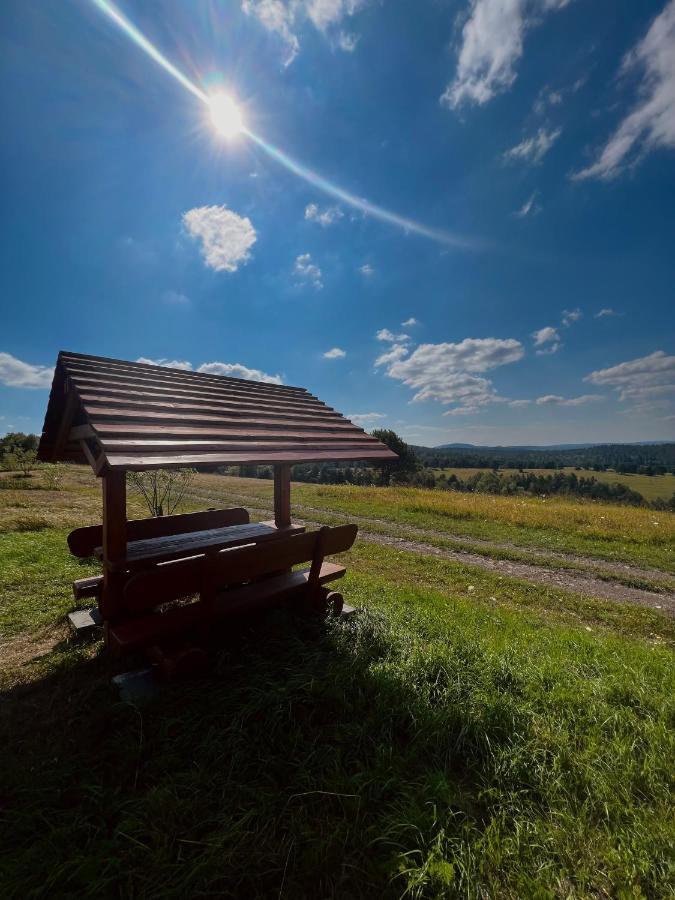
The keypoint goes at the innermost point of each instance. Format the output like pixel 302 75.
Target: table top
pixel 141 554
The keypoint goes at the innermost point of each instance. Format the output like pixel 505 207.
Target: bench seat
pixel 147 630
pixel 87 587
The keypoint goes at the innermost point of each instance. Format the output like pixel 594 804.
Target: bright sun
pixel 225 115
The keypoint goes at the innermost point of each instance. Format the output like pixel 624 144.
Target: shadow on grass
pixel 351 763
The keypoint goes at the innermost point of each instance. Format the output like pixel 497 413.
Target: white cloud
pixel 226 237
pixel 545 99
pixel 232 370
pixel 167 363
pixel 347 41
pixel 307 271
pixel 651 122
pixel 529 208
pixel 517 404
pixel 278 18
pixel 335 353
pixel 285 19
pixel 385 335
pixel 547 340
pixel 534 148
pixel 175 298
pixel 606 312
pixel 557 400
pixel 323 217
pixel 16 373
pixel 237 370
pixel 571 315
pixel 397 351
pixel 640 379
pixel 409 323
pixel 446 372
pixel 365 418
pixel 492 44
pixel 366 270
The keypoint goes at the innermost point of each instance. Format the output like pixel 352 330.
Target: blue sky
pixel 529 144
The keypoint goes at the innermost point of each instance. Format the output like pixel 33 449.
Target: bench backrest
pixel 207 574
pixel 83 541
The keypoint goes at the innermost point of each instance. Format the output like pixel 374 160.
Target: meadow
pixel 652 487
pixel 464 735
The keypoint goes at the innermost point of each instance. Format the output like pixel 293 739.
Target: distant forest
pixel 656 459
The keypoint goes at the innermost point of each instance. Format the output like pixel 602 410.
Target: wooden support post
pixel 114 540
pixel 282 495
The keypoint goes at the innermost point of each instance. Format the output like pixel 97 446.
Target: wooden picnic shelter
pixel 121 416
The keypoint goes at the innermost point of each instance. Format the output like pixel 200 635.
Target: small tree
pixel 162 489
pixel 20 460
pixel 397 471
pixel 53 474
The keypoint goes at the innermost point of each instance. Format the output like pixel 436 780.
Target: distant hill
pixel 545 446
pixel 646 457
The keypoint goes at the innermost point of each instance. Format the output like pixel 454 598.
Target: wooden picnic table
pixel 143 553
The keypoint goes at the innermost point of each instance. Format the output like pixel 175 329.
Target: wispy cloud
pixel 335 353
pixel 385 335
pixel 366 270
pixel 308 272
pixel 638 380
pixel 395 352
pixel 364 419
pixel 606 313
pixel 230 370
pixel 651 122
pixel 175 298
pixel 324 217
pixel 534 148
pixel 16 373
pixel 529 208
pixel 237 370
pixel 569 316
pixel 226 237
pixel 556 400
pixel 492 44
pixel 410 323
pixel 452 373
pixel 166 363
pixel 286 18
pixel 547 340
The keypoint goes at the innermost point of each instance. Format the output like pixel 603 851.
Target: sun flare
pixel 225 115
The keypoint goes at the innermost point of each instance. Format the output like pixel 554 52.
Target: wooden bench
pixel 83 542
pixel 229 583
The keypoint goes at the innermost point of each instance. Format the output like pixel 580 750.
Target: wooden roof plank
pixel 147 416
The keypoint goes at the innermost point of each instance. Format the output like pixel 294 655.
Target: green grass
pixel 652 487
pixel 466 735
pixel 637 536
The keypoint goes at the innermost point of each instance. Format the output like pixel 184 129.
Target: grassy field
pixel 650 486
pixel 466 735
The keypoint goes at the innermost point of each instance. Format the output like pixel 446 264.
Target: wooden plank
pixel 81 433
pixel 114 541
pixel 70 408
pixel 105 430
pixel 174 379
pixel 162 549
pixel 126 400
pixel 249 563
pixel 133 445
pixel 282 495
pixel 87 587
pixel 100 363
pixel 83 541
pixel 96 414
pixel 144 390
pixel 272 590
pixel 163 461
pixel 144 631
pixel 163 584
